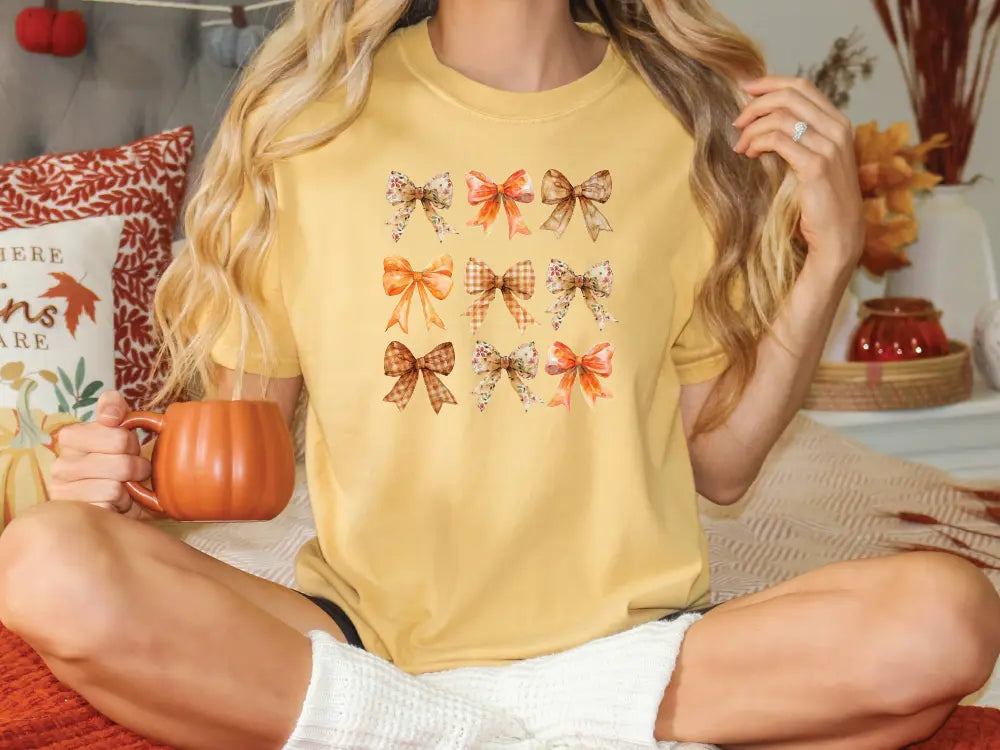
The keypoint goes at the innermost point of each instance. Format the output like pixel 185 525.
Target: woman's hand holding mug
pixel 213 461
pixel 97 458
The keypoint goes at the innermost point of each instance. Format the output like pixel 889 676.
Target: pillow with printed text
pixel 57 344
pixel 143 183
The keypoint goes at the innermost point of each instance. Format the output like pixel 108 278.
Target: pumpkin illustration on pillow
pixel 27 449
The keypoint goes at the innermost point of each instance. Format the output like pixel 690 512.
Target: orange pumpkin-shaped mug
pixel 217 461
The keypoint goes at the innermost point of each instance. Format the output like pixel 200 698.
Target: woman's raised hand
pixel 822 158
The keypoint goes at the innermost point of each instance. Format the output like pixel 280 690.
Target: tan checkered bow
pixel 400 363
pixel 518 281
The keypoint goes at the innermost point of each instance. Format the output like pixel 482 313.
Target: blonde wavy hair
pixel 691 56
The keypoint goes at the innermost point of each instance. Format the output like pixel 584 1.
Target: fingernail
pixel 113 413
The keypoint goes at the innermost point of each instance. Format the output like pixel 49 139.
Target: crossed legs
pixel 864 655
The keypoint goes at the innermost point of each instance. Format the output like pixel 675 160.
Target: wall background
pixel 800 32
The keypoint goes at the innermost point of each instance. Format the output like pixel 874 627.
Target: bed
pixel 820 498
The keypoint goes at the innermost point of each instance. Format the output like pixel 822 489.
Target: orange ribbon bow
pixel 556 189
pixel 516 188
pixel 398 277
pixel 518 281
pixel 400 363
pixel 596 362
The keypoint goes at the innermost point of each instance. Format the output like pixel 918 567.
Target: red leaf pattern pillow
pixel 144 182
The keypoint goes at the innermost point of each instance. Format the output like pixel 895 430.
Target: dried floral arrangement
pixel 847 61
pixel 890 168
pixel 946 49
pixel 891 172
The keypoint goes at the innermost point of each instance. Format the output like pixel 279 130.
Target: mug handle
pixel 153 422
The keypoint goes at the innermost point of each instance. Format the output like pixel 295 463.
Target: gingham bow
pixel 518 281
pixel 400 362
pixel 516 188
pixel 596 362
pixel 594 285
pixel 436 193
pixel 521 365
pixel 398 277
pixel 556 189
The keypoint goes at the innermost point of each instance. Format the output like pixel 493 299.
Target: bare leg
pixel 159 637
pixel 864 655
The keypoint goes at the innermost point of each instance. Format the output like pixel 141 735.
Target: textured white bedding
pixel 820 499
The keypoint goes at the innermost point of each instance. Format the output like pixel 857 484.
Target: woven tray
pixel 881 386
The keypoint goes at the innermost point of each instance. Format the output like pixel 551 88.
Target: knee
pixel 932 632
pixel 57 571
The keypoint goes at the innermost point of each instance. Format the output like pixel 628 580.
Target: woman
pixel 718 224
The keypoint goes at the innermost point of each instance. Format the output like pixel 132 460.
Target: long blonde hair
pixel 692 57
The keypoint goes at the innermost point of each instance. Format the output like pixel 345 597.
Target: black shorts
pixel 343 622
pixel 340 617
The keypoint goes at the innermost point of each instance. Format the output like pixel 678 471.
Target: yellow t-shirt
pixel 473 506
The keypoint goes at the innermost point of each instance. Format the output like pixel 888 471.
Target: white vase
pixel 952 261
pixel 986 343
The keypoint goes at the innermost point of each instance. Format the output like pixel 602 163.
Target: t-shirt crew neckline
pixel 419 56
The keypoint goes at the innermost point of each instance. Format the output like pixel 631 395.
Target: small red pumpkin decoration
pixel 49 31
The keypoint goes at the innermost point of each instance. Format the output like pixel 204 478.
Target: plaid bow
pixel 483 190
pixel 562 361
pixel 522 364
pixel 596 284
pixel 400 362
pixel 556 189
pixel 518 281
pixel 398 277
pixel 436 193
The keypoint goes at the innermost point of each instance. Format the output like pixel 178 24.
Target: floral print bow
pixel 400 363
pixel 436 193
pixel 518 281
pixel 556 189
pixel 516 188
pixel 398 277
pixel 596 362
pixel 594 285
pixel 521 365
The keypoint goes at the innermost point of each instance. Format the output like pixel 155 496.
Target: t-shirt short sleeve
pixel 696 354
pixel 284 362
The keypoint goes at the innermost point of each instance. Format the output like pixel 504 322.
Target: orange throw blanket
pixel 37 712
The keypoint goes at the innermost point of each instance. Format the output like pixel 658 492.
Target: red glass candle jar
pixel 898 328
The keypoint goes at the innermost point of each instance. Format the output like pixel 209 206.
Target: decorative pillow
pixel 57 343
pixel 142 182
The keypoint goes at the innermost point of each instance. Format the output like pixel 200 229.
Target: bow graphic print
pixel 400 363
pixel 516 188
pixel 518 281
pixel 594 285
pixel 521 365
pixel 556 189
pixel 596 362
pixel 398 277
pixel 436 193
